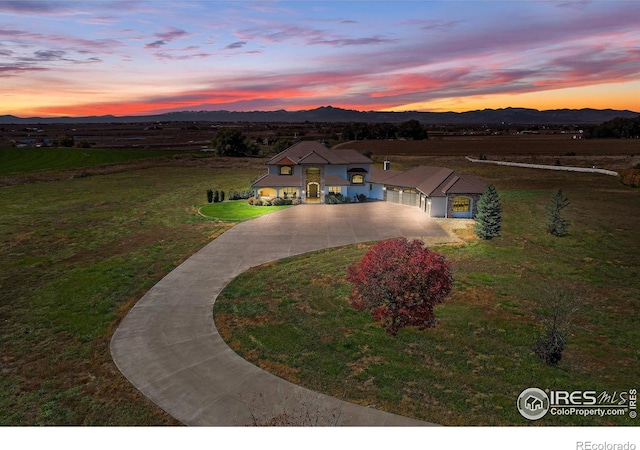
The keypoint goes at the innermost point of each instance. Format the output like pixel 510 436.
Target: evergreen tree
pixel 489 215
pixel 556 224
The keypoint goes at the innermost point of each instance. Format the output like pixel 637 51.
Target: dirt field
pixel 603 153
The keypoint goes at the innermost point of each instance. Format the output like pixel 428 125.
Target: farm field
pixel 604 153
pixel 32 159
pixel 79 251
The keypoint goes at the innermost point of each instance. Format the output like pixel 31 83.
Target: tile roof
pixel 271 180
pixel 335 180
pixel 432 181
pixel 310 152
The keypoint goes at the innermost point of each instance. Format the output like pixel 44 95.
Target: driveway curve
pixel 168 345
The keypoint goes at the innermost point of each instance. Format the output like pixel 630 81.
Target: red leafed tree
pixel 399 282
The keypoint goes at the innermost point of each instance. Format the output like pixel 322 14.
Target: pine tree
pixel 489 215
pixel 556 224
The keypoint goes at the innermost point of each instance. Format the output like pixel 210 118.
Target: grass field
pixel 78 252
pixel 76 255
pixel 237 210
pixel 26 160
pixel 292 317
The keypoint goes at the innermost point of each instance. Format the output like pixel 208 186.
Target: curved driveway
pixel 168 346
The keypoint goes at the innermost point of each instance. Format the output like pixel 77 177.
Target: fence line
pixel 544 166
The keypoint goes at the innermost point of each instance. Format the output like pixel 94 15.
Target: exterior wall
pixel 358 189
pixel 438 206
pixel 377 191
pixel 338 170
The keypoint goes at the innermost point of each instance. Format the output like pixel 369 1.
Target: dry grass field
pixel 544 149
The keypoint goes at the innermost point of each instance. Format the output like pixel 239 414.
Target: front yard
pixel 237 210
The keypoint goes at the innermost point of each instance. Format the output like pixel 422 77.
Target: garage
pixel 393 195
pixel 410 197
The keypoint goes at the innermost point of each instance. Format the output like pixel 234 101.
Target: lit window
pixel 286 170
pixel 335 190
pixel 357 179
pixel 289 193
pixel 461 204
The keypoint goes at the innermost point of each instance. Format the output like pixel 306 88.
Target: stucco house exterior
pixel 309 171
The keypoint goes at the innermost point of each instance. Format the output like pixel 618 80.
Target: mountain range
pixel 518 116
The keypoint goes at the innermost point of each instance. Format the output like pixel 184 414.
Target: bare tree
pixel 558 304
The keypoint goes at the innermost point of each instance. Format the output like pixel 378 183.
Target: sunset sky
pixel 145 57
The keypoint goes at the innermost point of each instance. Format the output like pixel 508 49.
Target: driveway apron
pixel 168 345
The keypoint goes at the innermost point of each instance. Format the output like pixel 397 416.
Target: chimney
pixel 387 164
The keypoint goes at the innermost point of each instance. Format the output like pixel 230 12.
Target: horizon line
pixel 316 108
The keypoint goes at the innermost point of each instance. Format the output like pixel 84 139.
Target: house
pixel 533 403
pixel 309 171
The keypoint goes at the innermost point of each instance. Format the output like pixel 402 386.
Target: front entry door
pixel 313 190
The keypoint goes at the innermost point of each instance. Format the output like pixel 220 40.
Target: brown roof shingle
pixel 308 152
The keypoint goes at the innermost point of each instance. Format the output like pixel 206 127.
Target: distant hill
pixel 518 116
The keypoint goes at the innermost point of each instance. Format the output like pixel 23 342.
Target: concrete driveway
pixel 169 348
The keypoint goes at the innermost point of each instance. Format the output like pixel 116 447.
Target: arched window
pixel 286 170
pixel 357 178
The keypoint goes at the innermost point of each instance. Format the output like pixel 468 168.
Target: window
pixel 286 170
pixel 289 193
pixel 357 179
pixel 335 190
pixel 461 204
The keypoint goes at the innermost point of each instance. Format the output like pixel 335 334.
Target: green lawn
pixel 26 160
pixel 237 210
pixel 76 256
pixel 292 317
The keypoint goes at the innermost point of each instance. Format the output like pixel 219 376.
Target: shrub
pixel 361 198
pixel 399 282
pixel 221 196
pixel 278 201
pixel 216 196
pixel 209 196
pixel 251 200
pixel 630 177
pixel 334 199
pixel 331 200
pixel 243 195
pixel 489 216
pixel 558 303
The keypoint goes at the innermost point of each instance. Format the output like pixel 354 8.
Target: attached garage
pixel 438 191
pixel 393 195
pixel 402 196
